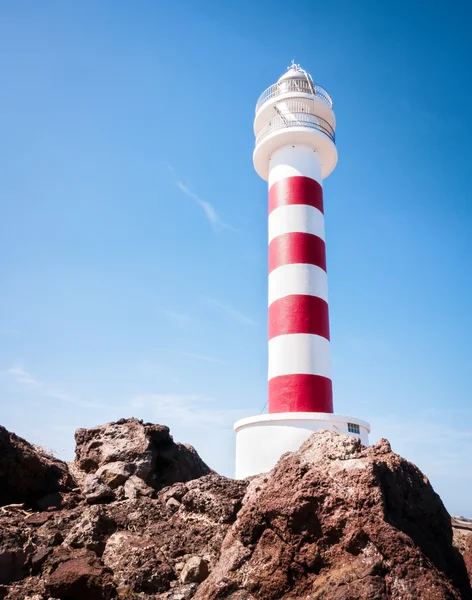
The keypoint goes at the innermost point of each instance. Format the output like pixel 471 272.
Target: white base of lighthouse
pixel 261 440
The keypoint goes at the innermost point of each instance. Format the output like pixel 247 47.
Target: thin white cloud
pixel 231 312
pixel 208 208
pixel 182 320
pixel 41 389
pixel 23 377
pixel 204 358
pixel 194 409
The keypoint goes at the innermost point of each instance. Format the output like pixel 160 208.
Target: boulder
pixel 337 520
pixel 137 563
pixel 81 577
pixel 95 490
pixel 135 487
pixel 195 570
pixel 115 473
pixel 28 474
pixel 91 529
pixel 115 452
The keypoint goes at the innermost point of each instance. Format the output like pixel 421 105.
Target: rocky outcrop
pixel 334 520
pixel 130 458
pixel 148 522
pixel 337 520
pixel 28 475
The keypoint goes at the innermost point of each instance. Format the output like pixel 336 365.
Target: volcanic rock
pixel 27 473
pixel 130 449
pixel 195 570
pixel 115 473
pixel 95 490
pixel 137 562
pixel 81 577
pixel 334 521
pixel 339 521
pixel 462 529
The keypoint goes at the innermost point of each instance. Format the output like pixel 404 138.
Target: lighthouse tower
pixel 295 150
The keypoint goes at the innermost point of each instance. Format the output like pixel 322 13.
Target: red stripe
pixel 296 190
pixel 298 314
pixel 300 393
pixel 297 248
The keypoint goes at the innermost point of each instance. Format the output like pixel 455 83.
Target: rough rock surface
pixel 28 474
pixel 462 529
pixel 337 520
pixel 130 458
pixel 195 570
pixel 333 521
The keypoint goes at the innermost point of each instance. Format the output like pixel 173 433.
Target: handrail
pixel 287 86
pixel 281 114
pixel 302 119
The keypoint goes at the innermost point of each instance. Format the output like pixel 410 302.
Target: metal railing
pixel 295 120
pixel 288 86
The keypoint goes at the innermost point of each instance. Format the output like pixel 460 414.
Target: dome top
pixel 294 72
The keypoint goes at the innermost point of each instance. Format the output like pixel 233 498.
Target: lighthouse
pixel 295 151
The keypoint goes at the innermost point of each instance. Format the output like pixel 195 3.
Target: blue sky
pixel 133 226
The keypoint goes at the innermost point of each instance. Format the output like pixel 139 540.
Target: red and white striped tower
pixel 295 150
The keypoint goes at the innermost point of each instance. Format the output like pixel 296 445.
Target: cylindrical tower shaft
pixel 299 348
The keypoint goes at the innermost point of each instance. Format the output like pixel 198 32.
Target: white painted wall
pixel 299 218
pixel 261 440
pixel 309 280
pixel 290 161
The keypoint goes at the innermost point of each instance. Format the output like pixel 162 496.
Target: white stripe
pixel 296 217
pixel 290 161
pixel 308 280
pixel 299 353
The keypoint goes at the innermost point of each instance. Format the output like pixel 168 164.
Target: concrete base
pixel 261 440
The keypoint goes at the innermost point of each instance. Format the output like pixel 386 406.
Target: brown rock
pixel 81 578
pixel 468 556
pixel 332 521
pixel 15 548
pixel 181 592
pixel 38 559
pixel 135 487
pixel 27 473
pixel 339 521
pixel 115 473
pixel 91 530
pixel 177 491
pixel 38 519
pixel 12 563
pixel 194 571
pixel 462 530
pixel 173 504
pixel 157 539
pixel 137 563
pixel 143 449
pixel 95 490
